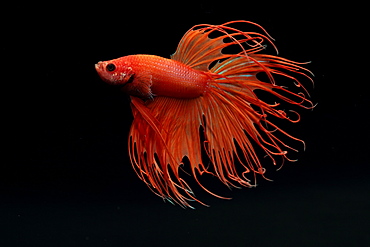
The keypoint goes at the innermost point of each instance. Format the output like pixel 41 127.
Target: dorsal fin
pixel 198 51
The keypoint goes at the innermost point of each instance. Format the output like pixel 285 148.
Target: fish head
pixel 115 72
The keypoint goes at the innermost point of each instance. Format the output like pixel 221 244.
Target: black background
pixel 66 179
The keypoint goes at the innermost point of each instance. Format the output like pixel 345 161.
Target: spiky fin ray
pixel 155 163
pixel 198 51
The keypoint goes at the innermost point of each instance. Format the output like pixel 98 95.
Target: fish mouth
pixel 98 65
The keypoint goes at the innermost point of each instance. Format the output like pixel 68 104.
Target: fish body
pixel 199 109
pixel 147 76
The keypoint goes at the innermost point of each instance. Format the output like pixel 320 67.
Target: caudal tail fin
pixel 240 117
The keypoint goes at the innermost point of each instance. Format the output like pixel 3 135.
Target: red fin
pixel 156 147
pixel 198 51
pixel 141 86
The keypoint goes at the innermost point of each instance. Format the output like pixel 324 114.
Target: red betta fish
pixel 200 109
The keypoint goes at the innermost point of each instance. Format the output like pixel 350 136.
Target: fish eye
pixel 111 67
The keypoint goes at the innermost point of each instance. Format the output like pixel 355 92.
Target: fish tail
pixel 247 116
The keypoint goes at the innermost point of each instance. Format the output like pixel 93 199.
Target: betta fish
pixel 199 109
